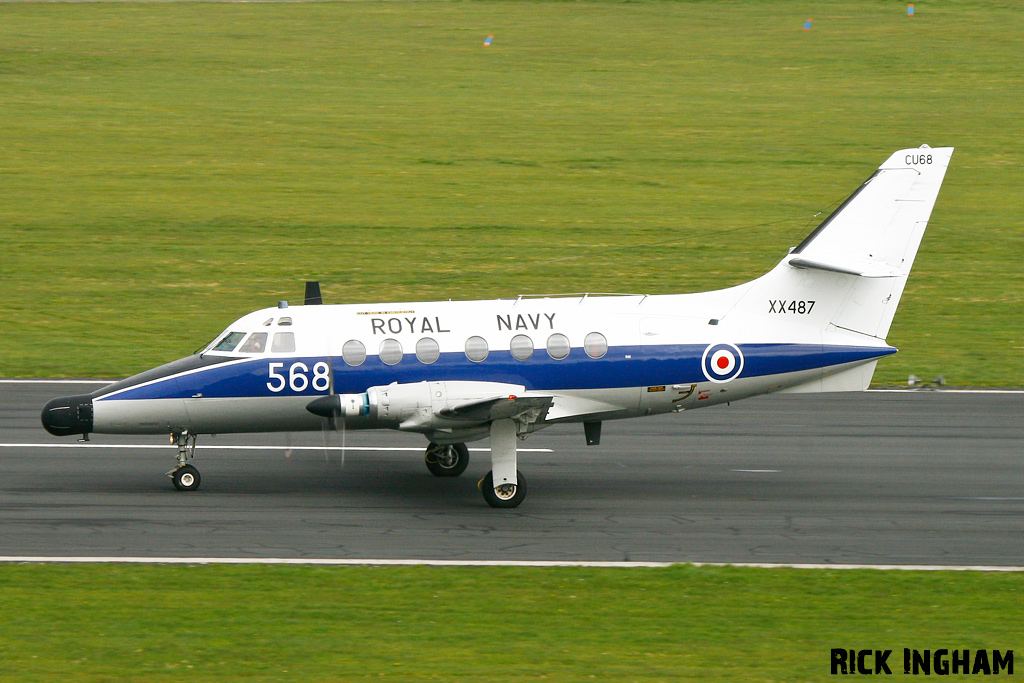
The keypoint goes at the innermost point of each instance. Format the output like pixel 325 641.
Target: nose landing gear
pixel 185 476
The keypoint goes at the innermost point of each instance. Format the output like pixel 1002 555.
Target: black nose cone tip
pixel 68 415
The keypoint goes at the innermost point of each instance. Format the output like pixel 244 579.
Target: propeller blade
pixel 328 406
pixel 324 433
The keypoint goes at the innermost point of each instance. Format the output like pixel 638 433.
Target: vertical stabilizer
pixel 874 237
pixel 849 273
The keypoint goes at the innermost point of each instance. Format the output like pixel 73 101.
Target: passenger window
pixel 427 350
pixel 284 342
pixel 558 346
pixel 390 351
pixel 521 347
pixel 353 352
pixel 595 345
pixel 256 343
pixel 476 349
pixel 229 342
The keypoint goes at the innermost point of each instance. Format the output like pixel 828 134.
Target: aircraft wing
pixel 518 408
pixel 530 408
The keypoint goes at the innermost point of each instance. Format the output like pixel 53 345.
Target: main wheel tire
pixel 447 460
pixel 506 495
pixel 186 478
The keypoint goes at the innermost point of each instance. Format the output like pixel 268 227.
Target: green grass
pixel 215 623
pixel 165 168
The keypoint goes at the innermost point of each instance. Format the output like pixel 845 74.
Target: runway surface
pixel 919 478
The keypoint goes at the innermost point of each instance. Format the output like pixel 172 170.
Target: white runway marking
pixel 411 449
pixel 757 471
pixel 946 391
pixel 57 381
pixel 874 391
pixel 31 559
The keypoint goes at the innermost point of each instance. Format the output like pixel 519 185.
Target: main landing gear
pixel 449 460
pixel 503 495
pixel 184 476
pixel 504 486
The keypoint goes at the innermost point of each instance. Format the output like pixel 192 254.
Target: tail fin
pixel 852 269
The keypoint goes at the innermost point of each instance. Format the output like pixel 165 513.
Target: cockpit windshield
pixel 256 343
pixel 253 342
pixel 229 342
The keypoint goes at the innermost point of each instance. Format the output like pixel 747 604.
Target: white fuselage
pixel 602 357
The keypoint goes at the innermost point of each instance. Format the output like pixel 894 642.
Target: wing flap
pixel 567 407
pixel 529 408
pixel 518 408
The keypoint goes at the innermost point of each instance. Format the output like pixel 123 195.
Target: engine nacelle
pixel 414 407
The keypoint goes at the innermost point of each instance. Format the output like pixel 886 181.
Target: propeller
pixel 330 410
pixel 329 422
pixel 311 297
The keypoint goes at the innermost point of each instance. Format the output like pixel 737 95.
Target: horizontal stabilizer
pixel 866 269
pixel 856 378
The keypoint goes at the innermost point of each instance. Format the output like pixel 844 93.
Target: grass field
pixel 216 623
pixel 165 168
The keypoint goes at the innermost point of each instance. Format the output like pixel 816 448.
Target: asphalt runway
pixel 918 478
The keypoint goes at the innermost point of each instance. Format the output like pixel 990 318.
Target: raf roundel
pixel 722 362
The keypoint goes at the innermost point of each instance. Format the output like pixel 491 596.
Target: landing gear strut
pixel 184 476
pixel 504 486
pixel 447 460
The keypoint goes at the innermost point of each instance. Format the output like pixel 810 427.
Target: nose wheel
pixel 184 476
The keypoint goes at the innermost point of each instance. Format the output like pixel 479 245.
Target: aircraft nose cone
pixel 68 415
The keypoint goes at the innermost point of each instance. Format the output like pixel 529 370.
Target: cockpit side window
pixel 229 342
pixel 284 342
pixel 256 343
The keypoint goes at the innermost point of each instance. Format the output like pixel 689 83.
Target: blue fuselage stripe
pixel 622 367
